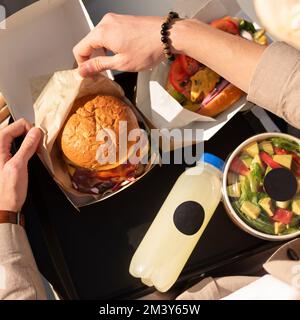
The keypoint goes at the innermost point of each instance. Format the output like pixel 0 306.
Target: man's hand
pixel 13 170
pixel 135 41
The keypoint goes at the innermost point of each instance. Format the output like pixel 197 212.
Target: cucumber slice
pixel 176 95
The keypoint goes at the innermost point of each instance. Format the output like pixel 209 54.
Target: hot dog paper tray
pixel 162 110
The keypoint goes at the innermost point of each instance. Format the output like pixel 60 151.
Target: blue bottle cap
pixel 213 160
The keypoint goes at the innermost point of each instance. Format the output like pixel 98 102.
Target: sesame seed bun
pixel 93 118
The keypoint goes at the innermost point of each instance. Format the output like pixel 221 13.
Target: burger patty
pixel 97 182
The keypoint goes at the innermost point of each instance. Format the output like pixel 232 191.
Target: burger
pixel 200 89
pixel 91 144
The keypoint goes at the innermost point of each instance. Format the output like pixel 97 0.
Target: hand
pixel 135 41
pixel 13 170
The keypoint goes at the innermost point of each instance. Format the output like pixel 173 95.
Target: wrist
pixel 12 200
pixel 8 206
pixel 182 35
pixel 12 217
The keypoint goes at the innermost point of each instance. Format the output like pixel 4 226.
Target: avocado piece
pixel 241 178
pixel 283 204
pixel 247 161
pixel 257 160
pixel 278 227
pixel 252 149
pixel 250 210
pixel 267 147
pixel 266 204
pixel 268 170
pixel 284 159
pixel 296 206
pixel 234 191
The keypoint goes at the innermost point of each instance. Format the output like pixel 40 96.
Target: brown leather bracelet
pixel 12 217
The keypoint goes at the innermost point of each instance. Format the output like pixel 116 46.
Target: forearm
pixel 19 276
pixel 233 57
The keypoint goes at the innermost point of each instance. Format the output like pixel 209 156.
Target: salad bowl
pixel 261 186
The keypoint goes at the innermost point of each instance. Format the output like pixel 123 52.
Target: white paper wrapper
pixel 161 109
pixel 38 40
pixel 51 111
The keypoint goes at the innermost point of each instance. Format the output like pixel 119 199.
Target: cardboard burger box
pixel 38 40
pixel 35 47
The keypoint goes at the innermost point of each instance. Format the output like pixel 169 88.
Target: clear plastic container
pixel 179 224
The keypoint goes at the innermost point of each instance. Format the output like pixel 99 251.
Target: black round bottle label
pixel 188 217
pixel 280 184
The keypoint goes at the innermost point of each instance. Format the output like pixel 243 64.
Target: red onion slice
pixel 221 86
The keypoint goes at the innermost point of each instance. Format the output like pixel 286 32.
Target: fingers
pixel 29 146
pixel 84 49
pixel 8 134
pixel 99 64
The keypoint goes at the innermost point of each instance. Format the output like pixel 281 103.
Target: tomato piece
pixel 280 151
pixel 237 166
pixel 267 159
pixel 282 215
pixel 121 171
pixel 189 65
pixel 296 158
pixel 296 169
pixel 226 24
pixel 179 79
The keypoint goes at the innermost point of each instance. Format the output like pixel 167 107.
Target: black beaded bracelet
pixel 165 27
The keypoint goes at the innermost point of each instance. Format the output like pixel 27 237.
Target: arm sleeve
pixel 275 84
pixel 19 275
pixel 281 266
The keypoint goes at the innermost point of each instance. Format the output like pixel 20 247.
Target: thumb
pixel 29 145
pixel 99 64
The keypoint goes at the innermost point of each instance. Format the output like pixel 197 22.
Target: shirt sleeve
pixel 284 263
pixel 19 275
pixel 275 84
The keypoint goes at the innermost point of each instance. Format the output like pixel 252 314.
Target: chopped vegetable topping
pixel 239 167
pixel 269 161
pixel 286 144
pixel 282 215
pixel 246 25
pixel 247 190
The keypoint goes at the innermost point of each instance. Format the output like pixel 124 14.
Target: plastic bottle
pixel 179 224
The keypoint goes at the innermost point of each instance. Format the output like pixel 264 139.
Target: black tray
pixel 86 255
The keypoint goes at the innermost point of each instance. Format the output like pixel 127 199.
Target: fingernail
pixel 85 69
pixel 34 132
